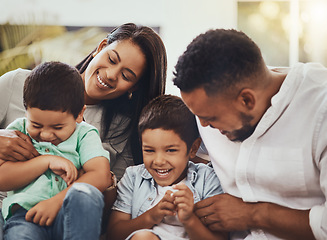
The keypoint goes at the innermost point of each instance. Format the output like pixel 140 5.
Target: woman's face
pixel 114 70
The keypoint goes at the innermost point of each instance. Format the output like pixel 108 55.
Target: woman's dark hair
pixel 170 113
pixel 54 86
pixel 150 85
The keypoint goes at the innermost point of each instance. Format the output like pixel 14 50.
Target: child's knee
pixel 84 193
pixel 144 235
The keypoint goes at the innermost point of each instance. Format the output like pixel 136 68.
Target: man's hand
pixel 16 146
pixel 64 168
pixel 224 212
pixel 44 212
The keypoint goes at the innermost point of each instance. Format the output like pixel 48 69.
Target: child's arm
pixel 184 201
pixel 121 224
pixel 15 175
pixel 97 173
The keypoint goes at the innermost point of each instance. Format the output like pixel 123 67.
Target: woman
pixel 125 71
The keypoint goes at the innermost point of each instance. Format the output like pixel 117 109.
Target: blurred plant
pixel 25 46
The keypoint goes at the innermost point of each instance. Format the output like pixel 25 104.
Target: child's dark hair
pixel 54 86
pixel 170 113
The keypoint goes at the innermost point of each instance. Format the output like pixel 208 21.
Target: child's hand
pixel 64 168
pixel 44 212
pixel 183 199
pixel 164 208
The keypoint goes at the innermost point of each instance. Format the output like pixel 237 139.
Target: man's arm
pixel 15 146
pixel 224 212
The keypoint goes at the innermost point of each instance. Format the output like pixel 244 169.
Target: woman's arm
pixel 16 146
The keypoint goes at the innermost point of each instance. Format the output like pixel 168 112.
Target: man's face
pixel 221 113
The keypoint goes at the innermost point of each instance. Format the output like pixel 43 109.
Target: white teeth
pixel 162 172
pixel 102 83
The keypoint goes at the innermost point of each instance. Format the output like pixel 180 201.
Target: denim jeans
pixel 78 218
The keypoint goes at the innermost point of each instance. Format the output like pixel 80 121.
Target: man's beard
pixel 243 133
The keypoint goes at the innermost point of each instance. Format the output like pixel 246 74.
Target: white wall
pixel 179 20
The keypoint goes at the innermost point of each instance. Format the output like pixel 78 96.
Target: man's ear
pixel 101 46
pixel 195 147
pixel 80 118
pixel 247 99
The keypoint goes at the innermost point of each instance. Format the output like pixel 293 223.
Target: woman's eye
pixel 57 128
pixel 111 60
pixel 125 77
pixel 36 126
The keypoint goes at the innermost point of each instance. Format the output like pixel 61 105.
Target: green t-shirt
pixel 83 145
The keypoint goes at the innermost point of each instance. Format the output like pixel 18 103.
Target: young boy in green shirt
pixel 43 202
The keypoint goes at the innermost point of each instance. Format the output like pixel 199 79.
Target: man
pixel 266 134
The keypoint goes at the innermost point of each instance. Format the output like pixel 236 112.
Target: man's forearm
pixel 281 221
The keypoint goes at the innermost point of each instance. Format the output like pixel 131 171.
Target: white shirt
pixel 284 161
pixel 170 227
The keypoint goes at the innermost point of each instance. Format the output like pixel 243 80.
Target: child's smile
pixel 50 126
pixel 165 156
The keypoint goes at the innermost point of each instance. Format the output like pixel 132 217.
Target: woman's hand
pixel 16 146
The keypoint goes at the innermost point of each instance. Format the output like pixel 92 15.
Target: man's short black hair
pixel 169 112
pixel 54 86
pixel 218 60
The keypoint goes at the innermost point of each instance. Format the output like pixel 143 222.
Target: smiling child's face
pixel 165 156
pixel 50 126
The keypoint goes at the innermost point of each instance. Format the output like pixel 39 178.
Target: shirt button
pixel 150 198
pixel 47 150
pixel 56 178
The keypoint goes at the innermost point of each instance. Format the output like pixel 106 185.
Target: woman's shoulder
pixel 10 78
pixel 17 73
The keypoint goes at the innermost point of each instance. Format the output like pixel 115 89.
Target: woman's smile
pixel 103 84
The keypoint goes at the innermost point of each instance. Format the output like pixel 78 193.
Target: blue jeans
pixel 78 218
